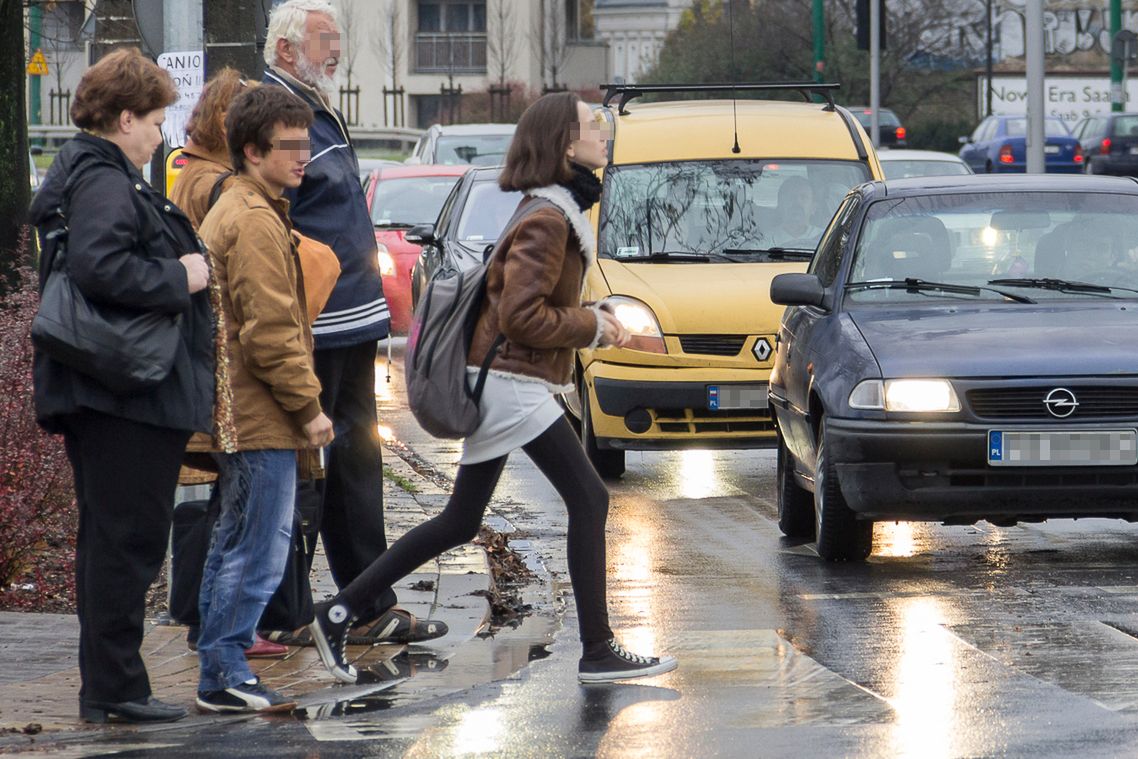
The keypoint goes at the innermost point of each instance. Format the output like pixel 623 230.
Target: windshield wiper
pixel 666 256
pixel 1059 285
pixel 777 253
pixel 917 285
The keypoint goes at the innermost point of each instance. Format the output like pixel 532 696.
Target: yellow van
pixel 693 224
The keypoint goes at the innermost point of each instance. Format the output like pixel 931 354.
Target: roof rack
pixel 628 92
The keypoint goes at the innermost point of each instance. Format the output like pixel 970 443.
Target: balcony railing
pixel 445 53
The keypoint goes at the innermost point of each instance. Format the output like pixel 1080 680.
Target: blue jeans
pixel 246 559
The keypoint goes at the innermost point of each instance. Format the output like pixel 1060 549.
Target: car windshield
pixel 721 211
pixel 885 118
pixel 486 213
pixel 478 149
pixel 406 201
pixel 1037 245
pixel 1125 126
pixel 902 168
pixel 1051 128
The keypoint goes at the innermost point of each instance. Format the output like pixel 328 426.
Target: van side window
pixel 828 259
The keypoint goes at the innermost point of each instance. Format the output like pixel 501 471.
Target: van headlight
pixel 386 261
pixel 640 322
pixel 905 395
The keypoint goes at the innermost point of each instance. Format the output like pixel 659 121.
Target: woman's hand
pixel 613 333
pixel 197 272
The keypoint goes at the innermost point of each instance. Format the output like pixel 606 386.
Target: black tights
pixel 558 454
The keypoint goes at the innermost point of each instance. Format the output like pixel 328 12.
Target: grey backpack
pixel 439 343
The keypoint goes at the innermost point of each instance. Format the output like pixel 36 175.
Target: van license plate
pixel 1062 448
pixel 724 397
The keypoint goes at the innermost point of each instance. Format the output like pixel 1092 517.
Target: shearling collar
pixel 563 199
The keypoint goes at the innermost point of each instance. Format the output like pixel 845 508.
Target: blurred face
pixel 588 143
pixel 282 167
pixel 316 59
pixel 138 135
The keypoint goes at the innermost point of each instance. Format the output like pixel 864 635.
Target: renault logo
pixel 1061 402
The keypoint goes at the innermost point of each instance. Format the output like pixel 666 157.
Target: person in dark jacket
pixel 302 52
pixel 533 300
pixel 128 247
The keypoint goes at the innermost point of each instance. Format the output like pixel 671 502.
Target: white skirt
pixel 514 412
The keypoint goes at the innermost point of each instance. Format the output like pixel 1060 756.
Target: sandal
pixel 397 626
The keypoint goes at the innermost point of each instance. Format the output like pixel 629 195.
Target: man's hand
pixel 197 272
pixel 319 431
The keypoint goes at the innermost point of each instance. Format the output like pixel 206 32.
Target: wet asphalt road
pixel 949 642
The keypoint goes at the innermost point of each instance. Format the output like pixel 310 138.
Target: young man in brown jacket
pixel 276 396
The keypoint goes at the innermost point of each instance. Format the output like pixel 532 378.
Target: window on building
pixel 579 19
pixel 452 16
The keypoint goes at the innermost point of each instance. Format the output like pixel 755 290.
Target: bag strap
pixel 215 191
pixel 519 214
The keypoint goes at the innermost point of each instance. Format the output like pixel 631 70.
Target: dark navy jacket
pixel 330 206
pixel 123 247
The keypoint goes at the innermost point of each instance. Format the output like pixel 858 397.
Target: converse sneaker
pixel 249 696
pixel 609 661
pixel 329 629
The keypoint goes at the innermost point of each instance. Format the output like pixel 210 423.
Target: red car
pixel 399 197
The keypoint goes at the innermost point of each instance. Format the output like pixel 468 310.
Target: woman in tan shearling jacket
pixel 533 300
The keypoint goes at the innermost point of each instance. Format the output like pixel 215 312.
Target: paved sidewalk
pixel 39 676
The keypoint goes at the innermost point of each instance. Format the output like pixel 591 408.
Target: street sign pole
pixel 1116 96
pixel 1033 22
pixel 874 71
pixel 819 18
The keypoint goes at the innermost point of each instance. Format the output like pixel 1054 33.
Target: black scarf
pixel 583 186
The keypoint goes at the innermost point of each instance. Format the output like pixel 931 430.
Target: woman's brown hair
pixel 124 80
pixel 537 153
pixel 206 126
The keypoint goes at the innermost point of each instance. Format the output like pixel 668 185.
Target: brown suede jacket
pixel 275 389
pixel 192 188
pixel 533 296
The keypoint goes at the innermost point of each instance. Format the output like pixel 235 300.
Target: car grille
pixel 1027 402
pixel 694 421
pixel 713 345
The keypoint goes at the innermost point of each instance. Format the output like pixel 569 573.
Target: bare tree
pixel 388 42
pixel 350 30
pixel 502 39
pixel 550 40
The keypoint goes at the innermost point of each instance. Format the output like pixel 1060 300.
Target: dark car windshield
pixel 478 149
pixel 1044 245
pixel 406 201
pixel 486 212
pixel 721 211
pixel 885 117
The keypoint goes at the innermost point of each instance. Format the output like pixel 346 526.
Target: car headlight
pixel 906 395
pixel 386 262
pixel 640 322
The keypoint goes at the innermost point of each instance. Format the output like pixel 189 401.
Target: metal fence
pixel 446 53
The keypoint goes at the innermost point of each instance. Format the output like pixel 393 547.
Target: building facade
pixel 634 31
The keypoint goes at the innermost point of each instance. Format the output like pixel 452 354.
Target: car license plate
pixel 1051 149
pixel 724 397
pixel 1062 448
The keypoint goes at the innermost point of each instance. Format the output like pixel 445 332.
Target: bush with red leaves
pixel 37 513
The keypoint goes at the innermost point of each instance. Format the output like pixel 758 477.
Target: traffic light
pixel 863 24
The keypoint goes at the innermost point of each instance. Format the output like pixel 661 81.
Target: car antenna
pixel 734 110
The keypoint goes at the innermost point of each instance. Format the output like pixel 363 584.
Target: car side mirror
pixel 421 234
pixel 798 290
pixel 963 140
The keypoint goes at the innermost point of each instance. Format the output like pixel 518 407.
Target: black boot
pixel 147 709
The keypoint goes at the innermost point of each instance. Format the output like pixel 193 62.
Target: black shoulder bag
pixel 124 349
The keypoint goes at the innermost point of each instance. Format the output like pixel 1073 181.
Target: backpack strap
pixel 218 186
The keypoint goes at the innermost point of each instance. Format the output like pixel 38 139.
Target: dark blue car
pixel 961 348
pixel 999 146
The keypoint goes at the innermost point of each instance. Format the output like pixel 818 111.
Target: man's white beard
pixel 314 76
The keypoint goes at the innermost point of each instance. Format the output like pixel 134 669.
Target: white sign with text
pixel 1067 97
pixel 187 69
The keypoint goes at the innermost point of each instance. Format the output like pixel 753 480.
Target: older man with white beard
pixel 302 51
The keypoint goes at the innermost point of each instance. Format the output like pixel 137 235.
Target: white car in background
pixel 902 164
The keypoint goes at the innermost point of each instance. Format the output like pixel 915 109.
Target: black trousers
pixel 125 476
pixel 351 495
pixel 558 454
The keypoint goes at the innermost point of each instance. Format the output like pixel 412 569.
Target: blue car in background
pixel 999 145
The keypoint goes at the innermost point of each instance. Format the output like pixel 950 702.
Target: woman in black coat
pixel 127 247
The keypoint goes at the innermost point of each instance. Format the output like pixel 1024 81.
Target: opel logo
pixel 1061 402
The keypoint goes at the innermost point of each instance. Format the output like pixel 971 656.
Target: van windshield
pixel 721 211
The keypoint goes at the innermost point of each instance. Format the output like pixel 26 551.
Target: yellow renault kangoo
pixel 704 202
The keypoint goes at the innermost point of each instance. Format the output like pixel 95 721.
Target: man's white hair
pixel 287 22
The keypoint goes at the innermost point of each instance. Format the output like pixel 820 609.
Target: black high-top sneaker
pixel 609 661
pixel 329 630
